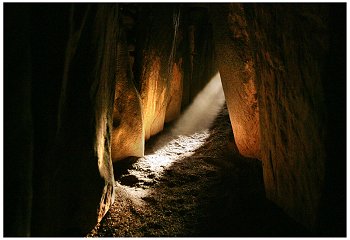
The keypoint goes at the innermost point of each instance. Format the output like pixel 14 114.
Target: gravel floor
pixel 193 185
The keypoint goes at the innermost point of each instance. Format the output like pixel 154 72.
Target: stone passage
pixel 207 191
pixel 95 82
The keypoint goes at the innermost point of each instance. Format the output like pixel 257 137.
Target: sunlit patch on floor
pixel 177 149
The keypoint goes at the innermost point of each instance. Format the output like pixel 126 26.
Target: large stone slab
pixel 236 67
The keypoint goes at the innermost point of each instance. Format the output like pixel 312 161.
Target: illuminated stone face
pixel 243 108
pixel 127 131
pixel 237 72
pixel 175 93
pixel 153 96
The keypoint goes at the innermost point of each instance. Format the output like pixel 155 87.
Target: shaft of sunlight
pixel 202 112
pixel 187 135
pixel 191 130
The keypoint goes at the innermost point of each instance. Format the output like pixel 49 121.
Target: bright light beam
pixel 188 134
pixel 190 131
pixel 202 112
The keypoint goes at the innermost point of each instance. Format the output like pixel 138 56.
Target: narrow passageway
pixel 192 182
pixel 113 127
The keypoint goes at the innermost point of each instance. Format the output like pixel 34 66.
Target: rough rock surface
pixel 128 137
pixel 291 43
pixel 173 108
pixel 76 163
pixel 156 65
pixel 235 64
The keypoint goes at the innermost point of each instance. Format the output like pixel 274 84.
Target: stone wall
pixel 236 67
pixel 128 136
pixel 291 46
pixel 286 102
pixel 73 57
pixel 87 105
pixel 172 60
